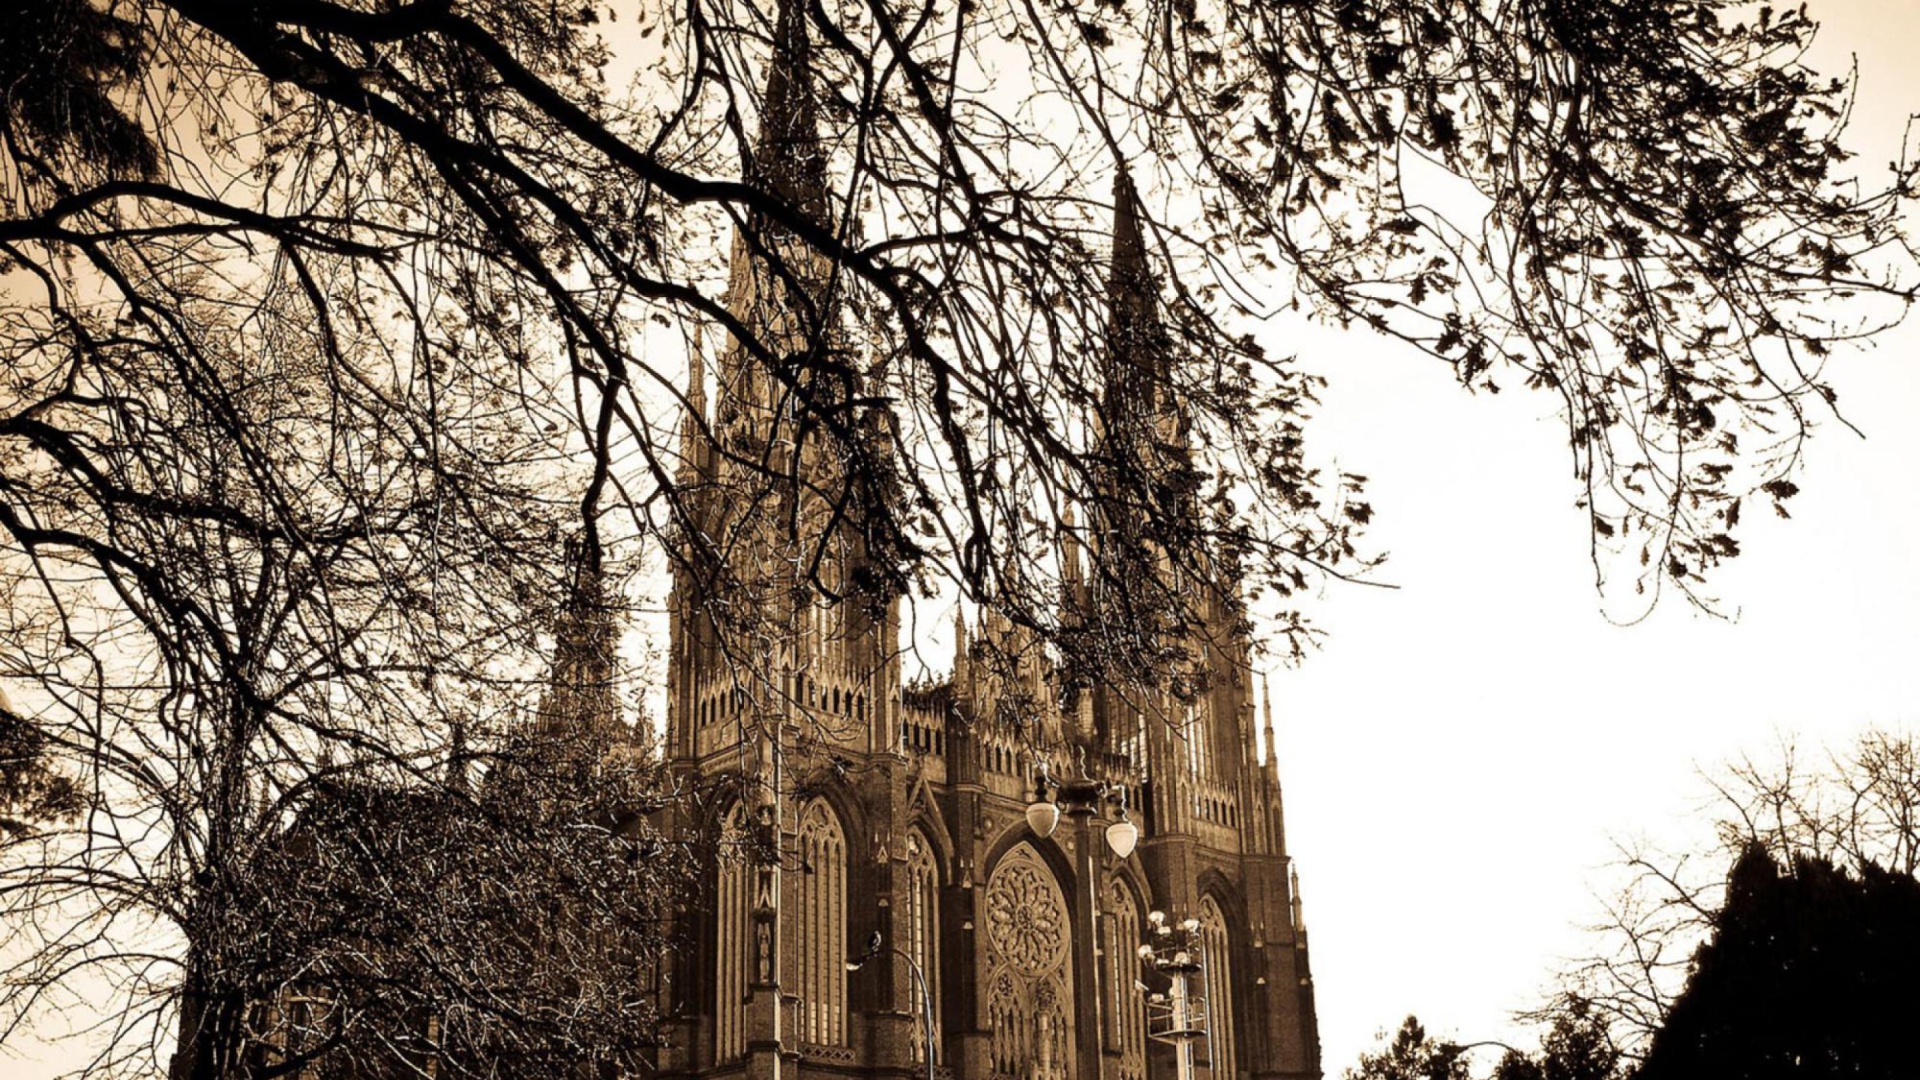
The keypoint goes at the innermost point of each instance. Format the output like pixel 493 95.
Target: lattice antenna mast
pixel 1177 1015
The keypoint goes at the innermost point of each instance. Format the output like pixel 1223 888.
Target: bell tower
pixel 779 616
pixel 783 665
pixel 855 810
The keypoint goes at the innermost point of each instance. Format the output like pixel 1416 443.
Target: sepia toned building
pixel 879 828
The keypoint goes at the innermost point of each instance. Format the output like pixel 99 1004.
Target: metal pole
pixel 920 980
pixel 1182 1020
pixel 926 1008
pixel 1175 953
pixel 1080 799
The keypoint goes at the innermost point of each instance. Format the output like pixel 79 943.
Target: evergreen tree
pixel 1412 1055
pixel 1577 1046
pixel 1809 974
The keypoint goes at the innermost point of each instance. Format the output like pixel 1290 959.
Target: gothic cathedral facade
pixel 877 830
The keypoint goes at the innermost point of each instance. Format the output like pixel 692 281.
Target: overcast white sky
pixel 1460 754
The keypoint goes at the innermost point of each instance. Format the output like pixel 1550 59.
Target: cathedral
pixel 883 905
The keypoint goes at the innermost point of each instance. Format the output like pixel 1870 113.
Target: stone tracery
pixel 1026 915
pixel 1029 1001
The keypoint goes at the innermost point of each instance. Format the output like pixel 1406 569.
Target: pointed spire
pixel 788 159
pixel 960 662
pixel 692 439
pixel 995 625
pixel 1266 732
pixel 457 758
pixel 1130 286
pixel 579 695
pixel 1299 912
pixel 1128 270
pixel 1070 571
pixel 1137 403
pixel 697 374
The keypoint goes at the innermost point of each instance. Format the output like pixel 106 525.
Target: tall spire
pixel 1137 406
pixel 692 436
pixel 779 284
pixel 579 695
pixel 1071 573
pixel 788 161
pixel 1266 705
pixel 1299 910
pixel 1129 279
pixel 697 375
pixel 1133 329
pixel 457 756
pixel 960 663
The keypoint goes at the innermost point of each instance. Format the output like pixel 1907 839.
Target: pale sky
pixel 1460 755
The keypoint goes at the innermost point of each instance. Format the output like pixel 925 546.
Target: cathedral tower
pixel 859 809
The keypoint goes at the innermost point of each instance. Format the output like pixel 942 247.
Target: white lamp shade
pixel 1042 817
pixel 1122 835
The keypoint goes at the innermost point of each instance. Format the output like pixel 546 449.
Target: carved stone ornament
pixel 1026 914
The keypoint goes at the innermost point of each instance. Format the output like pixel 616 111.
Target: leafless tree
pixel 395 929
pixel 1850 809
pixel 329 323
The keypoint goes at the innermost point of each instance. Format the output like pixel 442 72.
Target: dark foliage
pixel 390 930
pixel 65 69
pixel 1855 809
pixel 1576 1046
pixel 31 790
pixel 1412 1055
pixel 1809 974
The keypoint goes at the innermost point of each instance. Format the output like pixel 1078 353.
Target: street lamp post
pixel 1081 800
pixel 1079 797
pixel 875 946
pixel 1179 1015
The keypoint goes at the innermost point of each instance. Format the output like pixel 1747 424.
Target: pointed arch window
pixel 1132 741
pixel 1128 1007
pixel 1193 727
pixel 1217 954
pixel 733 941
pixel 1030 1007
pixel 817 922
pixel 923 935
